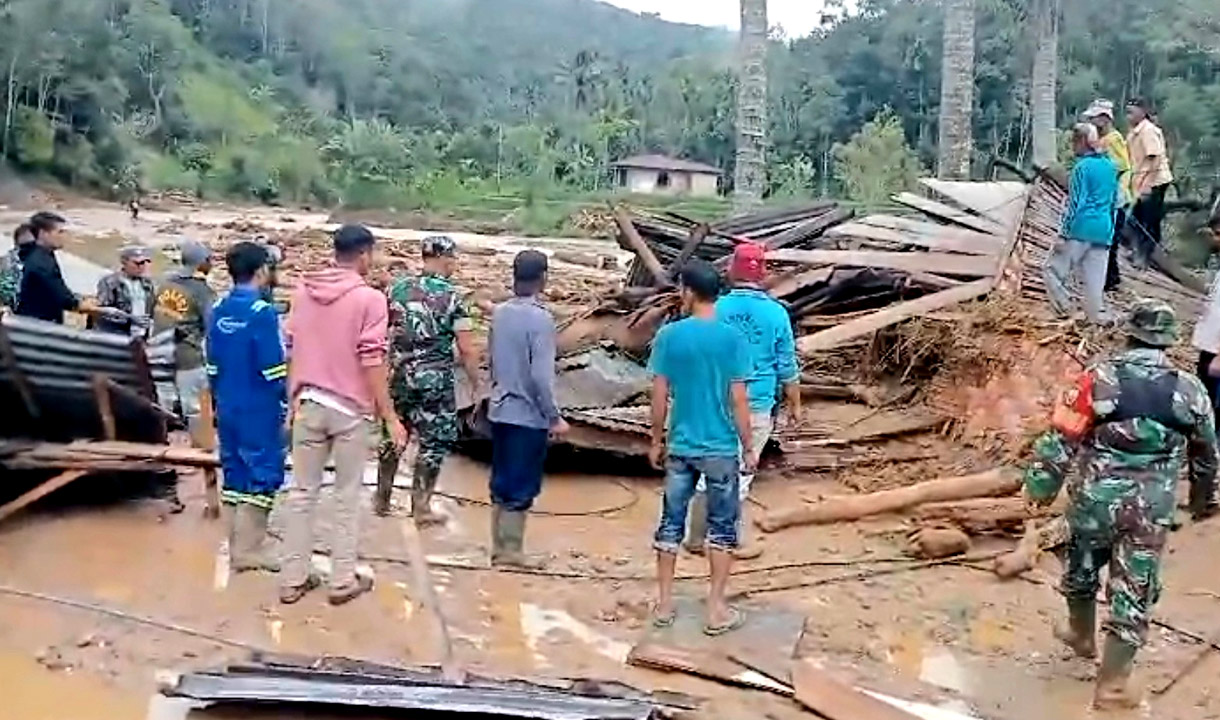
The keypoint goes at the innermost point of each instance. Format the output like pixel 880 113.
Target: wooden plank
pixel 799 281
pixel 931 229
pixel 710 665
pixel 48 487
pixel 840 334
pixel 136 398
pixel 941 263
pixel 203 435
pixel 105 409
pixel 864 231
pixel 941 211
pixel 697 236
pixel 84 451
pixel 834 699
pixel 1001 201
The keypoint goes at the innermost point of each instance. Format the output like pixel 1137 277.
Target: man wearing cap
pixel 1150 178
pixel 1114 145
pixel 522 408
pixel 427 318
pixel 125 298
pixel 184 307
pixel 1133 419
pixel 767 330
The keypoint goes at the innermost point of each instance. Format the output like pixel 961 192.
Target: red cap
pixel 749 263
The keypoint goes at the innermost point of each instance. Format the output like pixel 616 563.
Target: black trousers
pixel 1209 382
pixel 518 455
pixel 1120 222
pixel 1149 214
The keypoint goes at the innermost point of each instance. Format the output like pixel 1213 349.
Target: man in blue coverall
pixel 249 375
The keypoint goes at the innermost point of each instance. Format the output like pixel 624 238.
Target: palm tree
pixel 1042 82
pixel 750 175
pixel 955 145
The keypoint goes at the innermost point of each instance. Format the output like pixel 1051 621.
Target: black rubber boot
pixel 1113 690
pixel 510 532
pixel 387 471
pixel 422 488
pixel 1081 632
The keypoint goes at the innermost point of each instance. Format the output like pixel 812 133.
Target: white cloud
pixel 798 17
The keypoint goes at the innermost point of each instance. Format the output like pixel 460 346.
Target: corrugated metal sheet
pixel 48 376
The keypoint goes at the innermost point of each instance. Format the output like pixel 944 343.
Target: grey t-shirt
pixel 522 352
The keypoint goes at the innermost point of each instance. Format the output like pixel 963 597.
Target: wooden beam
pixel 833 699
pixel 931 229
pixel 137 399
pixel 697 236
pixel 940 263
pixel 12 507
pixel 840 334
pixel 105 409
pixel 204 437
pixel 941 211
pixel 989 247
pixel 636 244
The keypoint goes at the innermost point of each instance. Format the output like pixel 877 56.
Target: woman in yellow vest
pixel 1112 142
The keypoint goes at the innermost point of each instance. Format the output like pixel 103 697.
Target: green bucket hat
pixel 1153 322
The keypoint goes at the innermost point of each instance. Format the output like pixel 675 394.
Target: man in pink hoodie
pixel 339 388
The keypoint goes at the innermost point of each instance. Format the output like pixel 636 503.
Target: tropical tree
pixel 1043 82
pixel 956 143
pixel 750 175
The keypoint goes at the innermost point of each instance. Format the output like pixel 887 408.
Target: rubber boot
pixel 510 529
pixel 387 471
pixel 1081 632
pixel 1117 662
pixel 422 488
pixel 247 544
pixel 696 534
pixel 750 548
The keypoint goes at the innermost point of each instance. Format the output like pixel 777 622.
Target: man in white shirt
pixel 1207 331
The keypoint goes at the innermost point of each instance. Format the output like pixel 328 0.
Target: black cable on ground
pixel 632 502
pixel 128 617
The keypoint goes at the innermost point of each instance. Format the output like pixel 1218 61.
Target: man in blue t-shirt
pixel 1088 229
pixel 700 366
pixel 771 351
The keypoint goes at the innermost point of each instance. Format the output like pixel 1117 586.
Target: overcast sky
pixel 797 17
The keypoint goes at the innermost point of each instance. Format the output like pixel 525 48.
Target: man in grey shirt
pixel 522 411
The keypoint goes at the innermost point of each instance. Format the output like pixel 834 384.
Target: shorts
pixel 722 478
pixel 761 425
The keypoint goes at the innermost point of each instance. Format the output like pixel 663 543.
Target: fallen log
pixel 987 515
pixel 846 508
pixel 633 242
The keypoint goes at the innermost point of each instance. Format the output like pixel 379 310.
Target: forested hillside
pixel 400 102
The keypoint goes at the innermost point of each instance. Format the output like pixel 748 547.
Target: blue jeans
pixel 518 455
pixel 722 475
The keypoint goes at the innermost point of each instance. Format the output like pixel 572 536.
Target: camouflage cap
pixel 1153 322
pixel 438 246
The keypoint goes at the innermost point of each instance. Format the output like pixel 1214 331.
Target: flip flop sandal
pixel 345 595
pixel 663 621
pixel 737 618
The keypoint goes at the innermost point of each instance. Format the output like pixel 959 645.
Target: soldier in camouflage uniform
pixel 1133 420
pixel 10 267
pixel 427 318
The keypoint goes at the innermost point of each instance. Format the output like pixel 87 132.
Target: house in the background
pixel 661 175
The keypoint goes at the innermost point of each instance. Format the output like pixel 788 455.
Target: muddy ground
pixel 949 635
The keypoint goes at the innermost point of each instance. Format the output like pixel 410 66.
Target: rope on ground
pixel 127 617
pixel 910 566
pixel 627 505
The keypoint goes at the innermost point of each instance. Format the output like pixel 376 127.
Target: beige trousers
pixel 318 433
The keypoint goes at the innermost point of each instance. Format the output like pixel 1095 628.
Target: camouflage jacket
pixel 10 279
pixel 1147 419
pixel 112 292
pixel 426 314
pixel 184 303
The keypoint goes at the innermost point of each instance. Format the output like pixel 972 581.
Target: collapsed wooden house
pixel 844 280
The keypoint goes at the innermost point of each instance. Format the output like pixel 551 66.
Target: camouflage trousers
pixel 425 402
pixel 1134 586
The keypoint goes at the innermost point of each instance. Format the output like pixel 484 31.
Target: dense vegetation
pixel 418 103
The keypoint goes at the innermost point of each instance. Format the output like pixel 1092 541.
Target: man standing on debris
pixel 1150 178
pixel 1088 229
pixel 339 380
pixel 10 272
pixel 248 374
pixel 428 318
pixel 125 298
pixel 1114 145
pixel 522 409
pixel 1135 419
pixel 700 364
pixel 184 305
pixel 767 331
pixel 44 295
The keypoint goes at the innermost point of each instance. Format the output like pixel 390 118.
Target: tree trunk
pixel 10 98
pixel 750 175
pixel 955 144
pixel 1042 82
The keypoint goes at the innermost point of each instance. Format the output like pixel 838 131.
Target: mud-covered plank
pixel 940 263
pixel 834 699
